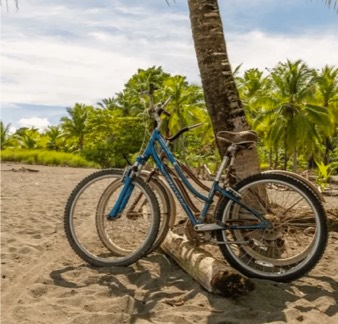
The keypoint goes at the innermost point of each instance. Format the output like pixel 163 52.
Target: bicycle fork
pixel 127 189
pixel 122 199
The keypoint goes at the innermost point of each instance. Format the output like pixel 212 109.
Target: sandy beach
pixel 43 281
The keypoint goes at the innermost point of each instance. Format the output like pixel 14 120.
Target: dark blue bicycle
pixel 269 225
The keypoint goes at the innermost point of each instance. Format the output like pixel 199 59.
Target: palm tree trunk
pixel 285 154
pixel 294 162
pixel 328 148
pixel 220 91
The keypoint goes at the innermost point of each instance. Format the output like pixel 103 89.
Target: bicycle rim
pixel 298 235
pixel 135 236
pixel 138 206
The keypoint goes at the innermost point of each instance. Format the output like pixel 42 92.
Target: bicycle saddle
pixel 238 138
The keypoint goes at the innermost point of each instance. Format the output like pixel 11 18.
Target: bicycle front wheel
pixel 295 242
pixel 134 210
pixel 133 235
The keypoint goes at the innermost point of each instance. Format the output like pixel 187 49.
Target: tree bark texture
pixel 221 95
pixel 218 83
pixel 214 276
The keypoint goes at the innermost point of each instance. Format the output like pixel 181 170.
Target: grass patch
pixel 45 157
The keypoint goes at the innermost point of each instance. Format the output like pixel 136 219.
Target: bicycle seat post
pixel 227 162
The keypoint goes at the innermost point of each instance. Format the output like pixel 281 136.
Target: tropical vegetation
pixel 292 107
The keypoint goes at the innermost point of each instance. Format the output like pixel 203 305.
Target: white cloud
pixel 40 123
pixel 59 52
pixel 259 49
pixel 62 55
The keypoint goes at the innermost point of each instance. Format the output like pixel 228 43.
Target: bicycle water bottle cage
pixel 243 140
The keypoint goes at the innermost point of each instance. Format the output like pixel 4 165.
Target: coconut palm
pixel 54 135
pixel 4 131
pixel 76 124
pixel 27 138
pixel 108 103
pixel 327 90
pixel 129 100
pixel 221 95
pixel 253 87
pixel 290 121
pixel 186 107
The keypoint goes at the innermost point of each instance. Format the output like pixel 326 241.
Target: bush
pixel 45 158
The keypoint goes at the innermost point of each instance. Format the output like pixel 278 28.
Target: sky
pixel 55 53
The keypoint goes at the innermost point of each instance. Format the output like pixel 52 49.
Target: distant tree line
pixel 292 107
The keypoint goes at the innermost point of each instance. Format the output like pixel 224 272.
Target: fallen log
pixel 215 276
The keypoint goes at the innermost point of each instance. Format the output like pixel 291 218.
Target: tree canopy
pixel 292 107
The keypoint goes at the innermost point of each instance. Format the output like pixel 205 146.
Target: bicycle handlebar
pixel 181 131
pixel 155 113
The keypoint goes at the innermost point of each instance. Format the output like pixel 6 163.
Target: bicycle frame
pixel 150 152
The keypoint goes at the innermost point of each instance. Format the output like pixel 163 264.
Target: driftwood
pixel 22 169
pixel 215 276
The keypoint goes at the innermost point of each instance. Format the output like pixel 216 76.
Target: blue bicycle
pixel 269 225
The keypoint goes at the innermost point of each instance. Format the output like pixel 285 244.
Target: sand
pixel 43 281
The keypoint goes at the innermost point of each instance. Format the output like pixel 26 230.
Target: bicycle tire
pixel 133 208
pixel 297 239
pixel 80 215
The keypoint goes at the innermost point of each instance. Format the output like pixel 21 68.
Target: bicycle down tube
pixel 150 151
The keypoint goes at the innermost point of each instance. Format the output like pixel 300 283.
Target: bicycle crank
pixel 210 227
pixel 196 238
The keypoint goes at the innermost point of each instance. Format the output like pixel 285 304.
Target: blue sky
pixel 55 53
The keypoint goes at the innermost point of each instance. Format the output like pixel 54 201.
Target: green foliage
pixel 54 138
pixel 324 173
pixel 27 138
pixel 133 100
pixel 45 158
pixel 75 125
pixel 4 133
pixel 118 137
pixel 293 108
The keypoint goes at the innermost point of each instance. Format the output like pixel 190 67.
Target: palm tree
pixel 221 95
pixel 27 138
pixel 290 121
pixel 129 100
pixel 327 88
pixel 76 124
pixel 108 103
pixel 186 106
pixel 4 130
pixel 54 134
pixel 252 87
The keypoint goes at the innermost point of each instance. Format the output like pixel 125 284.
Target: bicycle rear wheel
pixel 135 235
pixel 298 236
